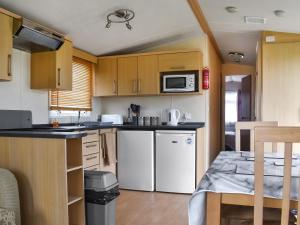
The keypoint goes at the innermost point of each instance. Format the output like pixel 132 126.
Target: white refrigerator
pixel 175 161
pixel 135 160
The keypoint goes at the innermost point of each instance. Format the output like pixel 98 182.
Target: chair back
pixel 251 126
pixel 287 136
pixel 9 193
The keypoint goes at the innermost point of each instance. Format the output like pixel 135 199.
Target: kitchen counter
pixel 42 134
pixel 70 131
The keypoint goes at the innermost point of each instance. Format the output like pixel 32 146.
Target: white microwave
pixel 176 82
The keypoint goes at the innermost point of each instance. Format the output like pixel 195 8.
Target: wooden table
pixel 215 200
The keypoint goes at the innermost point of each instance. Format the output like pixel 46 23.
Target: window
pixel 80 98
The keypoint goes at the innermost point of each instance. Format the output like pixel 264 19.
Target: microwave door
pixel 175 84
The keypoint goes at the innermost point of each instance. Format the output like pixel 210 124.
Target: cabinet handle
pixel 139 86
pixel 177 67
pixel 9 65
pixel 58 75
pixel 93 157
pixel 90 146
pixel 134 90
pixel 114 87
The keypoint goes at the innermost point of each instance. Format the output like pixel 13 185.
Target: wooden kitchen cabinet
pixel 52 69
pixel 106 77
pixel 127 76
pixel 6 44
pixel 148 75
pixel 50 176
pixel 180 61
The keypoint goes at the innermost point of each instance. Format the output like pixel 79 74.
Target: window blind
pixel 80 98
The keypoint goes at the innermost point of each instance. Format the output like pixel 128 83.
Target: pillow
pixel 7 217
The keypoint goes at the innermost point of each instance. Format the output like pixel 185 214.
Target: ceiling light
pixel 236 56
pixel 120 16
pixel 279 13
pixel 231 9
pixel 255 20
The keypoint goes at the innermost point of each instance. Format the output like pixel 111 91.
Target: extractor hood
pixel 32 37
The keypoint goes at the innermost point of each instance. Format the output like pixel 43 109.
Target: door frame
pixel 232 70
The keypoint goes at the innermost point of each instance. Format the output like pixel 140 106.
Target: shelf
pixel 73 168
pixel 73 199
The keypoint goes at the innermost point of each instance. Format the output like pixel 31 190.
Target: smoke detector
pixel 255 20
pixel 231 9
pixel 279 13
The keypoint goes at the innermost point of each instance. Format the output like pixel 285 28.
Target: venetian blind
pixel 80 98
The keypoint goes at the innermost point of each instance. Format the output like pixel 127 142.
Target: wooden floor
pixel 152 208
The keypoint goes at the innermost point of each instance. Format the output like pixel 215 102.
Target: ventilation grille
pixel 255 20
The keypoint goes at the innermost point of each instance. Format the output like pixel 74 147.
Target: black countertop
pixel 71 131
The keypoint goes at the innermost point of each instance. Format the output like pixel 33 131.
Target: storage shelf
pixel 73 199
pixel 73 168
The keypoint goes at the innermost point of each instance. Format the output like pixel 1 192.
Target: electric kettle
pixel 173 117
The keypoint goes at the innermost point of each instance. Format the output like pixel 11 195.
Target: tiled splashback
pixel 157 105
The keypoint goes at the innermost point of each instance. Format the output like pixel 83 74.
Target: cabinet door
pixel 180 61
pixel 110 135
pixel 64 66
pixel 148 75
pixel 6 24
pixel 106 77
pixel 127 76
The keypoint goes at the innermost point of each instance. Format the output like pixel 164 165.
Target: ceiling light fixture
pixel 279 13
pixel 120 16
pixel 236 56
pixel 231 9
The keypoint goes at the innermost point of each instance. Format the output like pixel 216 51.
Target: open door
pixel 244 99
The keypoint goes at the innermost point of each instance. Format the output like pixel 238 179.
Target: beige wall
pixel 215 66
pixel 280 78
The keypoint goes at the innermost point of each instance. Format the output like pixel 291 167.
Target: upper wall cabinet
pixel 53 69
pixel 138 75
pixel 148 75
pixel 106 77
pixel 6 42
pixel 180 61
pixel 127 76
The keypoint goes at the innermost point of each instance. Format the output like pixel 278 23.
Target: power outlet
pixel 187 116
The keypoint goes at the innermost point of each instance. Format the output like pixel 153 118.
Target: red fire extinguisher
pixel 205 78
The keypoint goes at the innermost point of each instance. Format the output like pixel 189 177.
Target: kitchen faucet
pixel 78 122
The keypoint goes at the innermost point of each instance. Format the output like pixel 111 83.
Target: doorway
pixel 237 107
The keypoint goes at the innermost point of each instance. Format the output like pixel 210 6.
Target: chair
pixel 9 194
pixel 251 126
pixel 288 136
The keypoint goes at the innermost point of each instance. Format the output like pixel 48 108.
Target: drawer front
pixel 92 135
pixel 90 148
pixel 91 160
pixel 180 61
pixel 93 168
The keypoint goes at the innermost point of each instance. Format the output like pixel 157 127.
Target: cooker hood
pixel 32 37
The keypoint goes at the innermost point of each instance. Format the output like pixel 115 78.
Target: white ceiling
pixel 156 21
pixel 232 34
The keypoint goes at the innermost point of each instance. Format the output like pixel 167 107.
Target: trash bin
pixel 101 191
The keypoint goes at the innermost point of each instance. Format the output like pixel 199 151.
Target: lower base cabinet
pixel 50 176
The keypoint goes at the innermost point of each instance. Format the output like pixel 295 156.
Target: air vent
pixel 255 20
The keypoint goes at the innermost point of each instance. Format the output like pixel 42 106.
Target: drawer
pixel 92 135
pixel 93 168
pixel 90 148
pixel 91 160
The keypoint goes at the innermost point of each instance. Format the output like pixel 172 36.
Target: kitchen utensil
pixel 129 119
pixel 147 121
pixel 154 120
pixel 173 117
pixel 141 121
